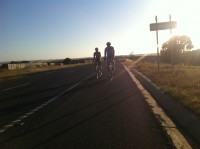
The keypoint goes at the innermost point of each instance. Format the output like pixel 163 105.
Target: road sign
pixel 162 25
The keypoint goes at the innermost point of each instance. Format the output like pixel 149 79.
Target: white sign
pixel 163 26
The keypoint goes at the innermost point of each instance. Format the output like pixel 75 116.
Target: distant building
pixel 55 63
pixel 19 65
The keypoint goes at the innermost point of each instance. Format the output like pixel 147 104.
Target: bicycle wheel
pixel 110 73
pixel 97 71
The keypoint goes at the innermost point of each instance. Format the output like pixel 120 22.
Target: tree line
pixel 72 61
pixel 178 50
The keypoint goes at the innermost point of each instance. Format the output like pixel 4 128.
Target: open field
pixel 12 74
pixel 183 83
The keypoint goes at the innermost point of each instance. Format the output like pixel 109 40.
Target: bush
pixel 67 61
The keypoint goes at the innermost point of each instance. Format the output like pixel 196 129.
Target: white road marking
pixel 11 124
pixel 7 126
pixel 23 117
pixel 178 139
pixel 7 89
pixel 34 110
pixel 44 104
pixel 30 113
pixel 41 106
pixel 16 121
pixel 1 131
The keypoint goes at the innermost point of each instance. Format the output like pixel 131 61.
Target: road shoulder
pixel 152 98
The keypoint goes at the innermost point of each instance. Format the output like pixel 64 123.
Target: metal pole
pixel 158 59
pixel 172 53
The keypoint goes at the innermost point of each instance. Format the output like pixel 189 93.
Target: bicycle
pixel 98 70
pixel 110 69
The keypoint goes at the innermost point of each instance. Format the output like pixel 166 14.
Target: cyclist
pixel 97 61
pixel 109 55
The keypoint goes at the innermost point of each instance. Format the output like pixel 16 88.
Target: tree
pixel 67 61
pixel 176 45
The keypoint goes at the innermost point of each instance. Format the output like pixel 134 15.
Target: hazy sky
pixel 54 29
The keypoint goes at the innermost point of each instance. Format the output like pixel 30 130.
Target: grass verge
pixel 182 83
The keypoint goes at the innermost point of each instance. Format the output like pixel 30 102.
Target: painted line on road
pixel 13 123
pixel 4 90
pixel 177 138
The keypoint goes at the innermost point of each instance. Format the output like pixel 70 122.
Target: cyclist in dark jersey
pixel 109 54
pixel 97 59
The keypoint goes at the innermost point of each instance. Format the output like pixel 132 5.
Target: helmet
pixel 108 43
pixel 96 49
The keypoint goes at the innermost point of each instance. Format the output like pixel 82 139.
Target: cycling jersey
pixel 110 56
pixel 97 56
pixel 109 53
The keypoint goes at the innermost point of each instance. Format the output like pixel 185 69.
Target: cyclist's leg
pixel 111 70
pixel 100 68
pixel 113 65
pixel 108 67
pixel 96 68
pixel 95 65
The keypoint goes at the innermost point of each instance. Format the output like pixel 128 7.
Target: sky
pixel 58 29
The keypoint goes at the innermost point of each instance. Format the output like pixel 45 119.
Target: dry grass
pixel 13 74
pixel 183 83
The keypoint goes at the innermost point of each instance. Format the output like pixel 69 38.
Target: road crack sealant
pixel 28 114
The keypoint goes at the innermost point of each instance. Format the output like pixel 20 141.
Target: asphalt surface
pixel 70 108
pixel 186 121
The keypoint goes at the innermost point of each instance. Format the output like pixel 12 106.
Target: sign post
pixel 158 53
pixel 172 52
pixel 162 26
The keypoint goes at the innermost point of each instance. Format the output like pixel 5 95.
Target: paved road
pixel 70 108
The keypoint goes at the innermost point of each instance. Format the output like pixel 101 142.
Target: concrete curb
pixel 182 116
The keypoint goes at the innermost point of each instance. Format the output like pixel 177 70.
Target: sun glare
pixel 136 37
pixel 186 14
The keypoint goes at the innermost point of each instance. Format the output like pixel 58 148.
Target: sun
pixel 185 12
